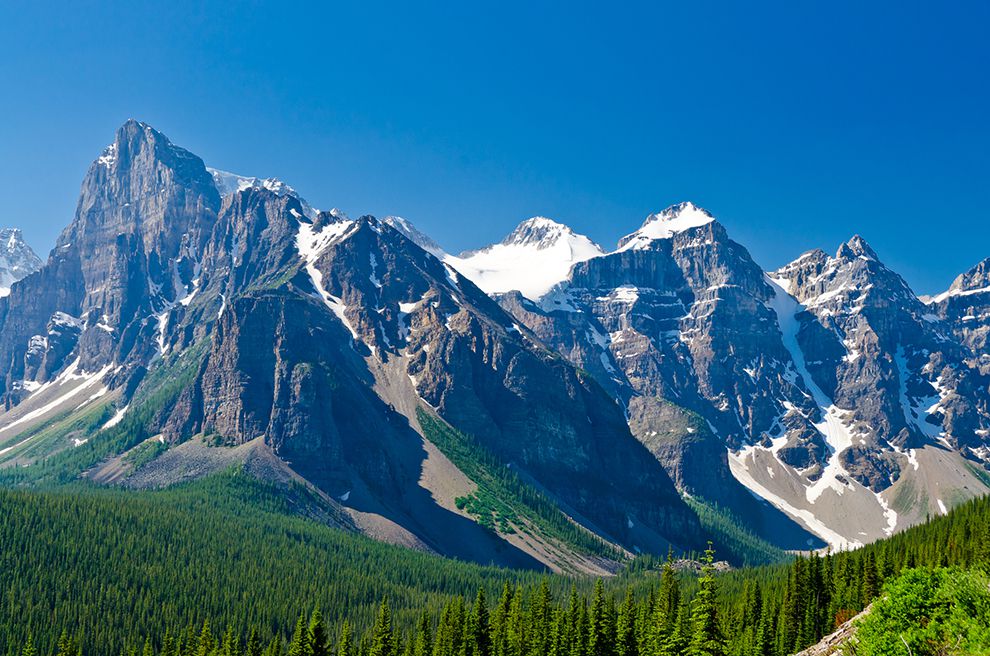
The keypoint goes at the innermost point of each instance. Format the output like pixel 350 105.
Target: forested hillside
pixel 222 567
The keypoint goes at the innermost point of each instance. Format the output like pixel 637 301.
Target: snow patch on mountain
pixel 537 255
pixel 311 242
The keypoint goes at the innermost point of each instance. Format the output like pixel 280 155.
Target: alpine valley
pixel 542 402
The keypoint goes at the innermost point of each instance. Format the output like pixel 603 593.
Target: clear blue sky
pixel 796 123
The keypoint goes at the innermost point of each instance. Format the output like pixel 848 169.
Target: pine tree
pixel 382 638
pixel 206 642
pixel 345 646
pixel 625 627
pixel 253 647
pixel 423 643
pixel 480 626
pixel 871 584
pixel 540 620
pixel 297 645
pixel 317 639
pixel 598 633
pixel 707 639
pixel 29 649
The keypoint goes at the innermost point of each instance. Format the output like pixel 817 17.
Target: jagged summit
pixel 856 247
pixel 664 225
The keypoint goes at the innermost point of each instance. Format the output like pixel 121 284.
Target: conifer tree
pixel 540 620
pixel 253 646
pixel 382 637
pixel 422 639
pixel 625 627
pixel 480 626
pixel 317 638
pixel 29 649
pixel 871 585
pixel 297 645
pixel 707 639
pixel 206 643
pixel 345 645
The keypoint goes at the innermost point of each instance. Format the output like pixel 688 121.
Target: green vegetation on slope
pixel 156 394
pixel 114 568
pixel 502 496
pixel 932 612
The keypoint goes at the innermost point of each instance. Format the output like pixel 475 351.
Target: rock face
pixel 966 308
pixel 322 335
pixel 820 380
pixel 17 260
pixel 144 214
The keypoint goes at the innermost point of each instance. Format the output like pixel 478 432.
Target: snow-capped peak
pixel 17 260
pixel 540 232
pixel 533 258
pixel 231 183
pixel 664 225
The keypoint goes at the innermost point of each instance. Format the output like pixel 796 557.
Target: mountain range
pixel 542 401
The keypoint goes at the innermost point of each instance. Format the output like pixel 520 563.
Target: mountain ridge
pixel 821 401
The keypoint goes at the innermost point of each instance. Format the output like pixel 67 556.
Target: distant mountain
pixel 534 257
pixel 17 260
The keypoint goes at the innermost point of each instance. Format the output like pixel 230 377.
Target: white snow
pixel 89 380
pixel 162 327
pixel 528 266
pixel 941 507
pixel 737 462
pixel 955 292
pixel 230 183
pixel 116 419
pixel 832 427
pixel 665 225
pixel 889 514
pixel 311 245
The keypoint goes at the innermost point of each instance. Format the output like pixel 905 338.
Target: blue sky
pixel 798 124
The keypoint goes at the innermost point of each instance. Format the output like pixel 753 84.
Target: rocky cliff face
pixel 144 214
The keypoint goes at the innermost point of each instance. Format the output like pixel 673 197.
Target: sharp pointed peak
pixel 857 246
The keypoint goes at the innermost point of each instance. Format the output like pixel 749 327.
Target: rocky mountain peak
pixel 17 260
pixel 664 225
pixel 856 247
pixel 541 232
